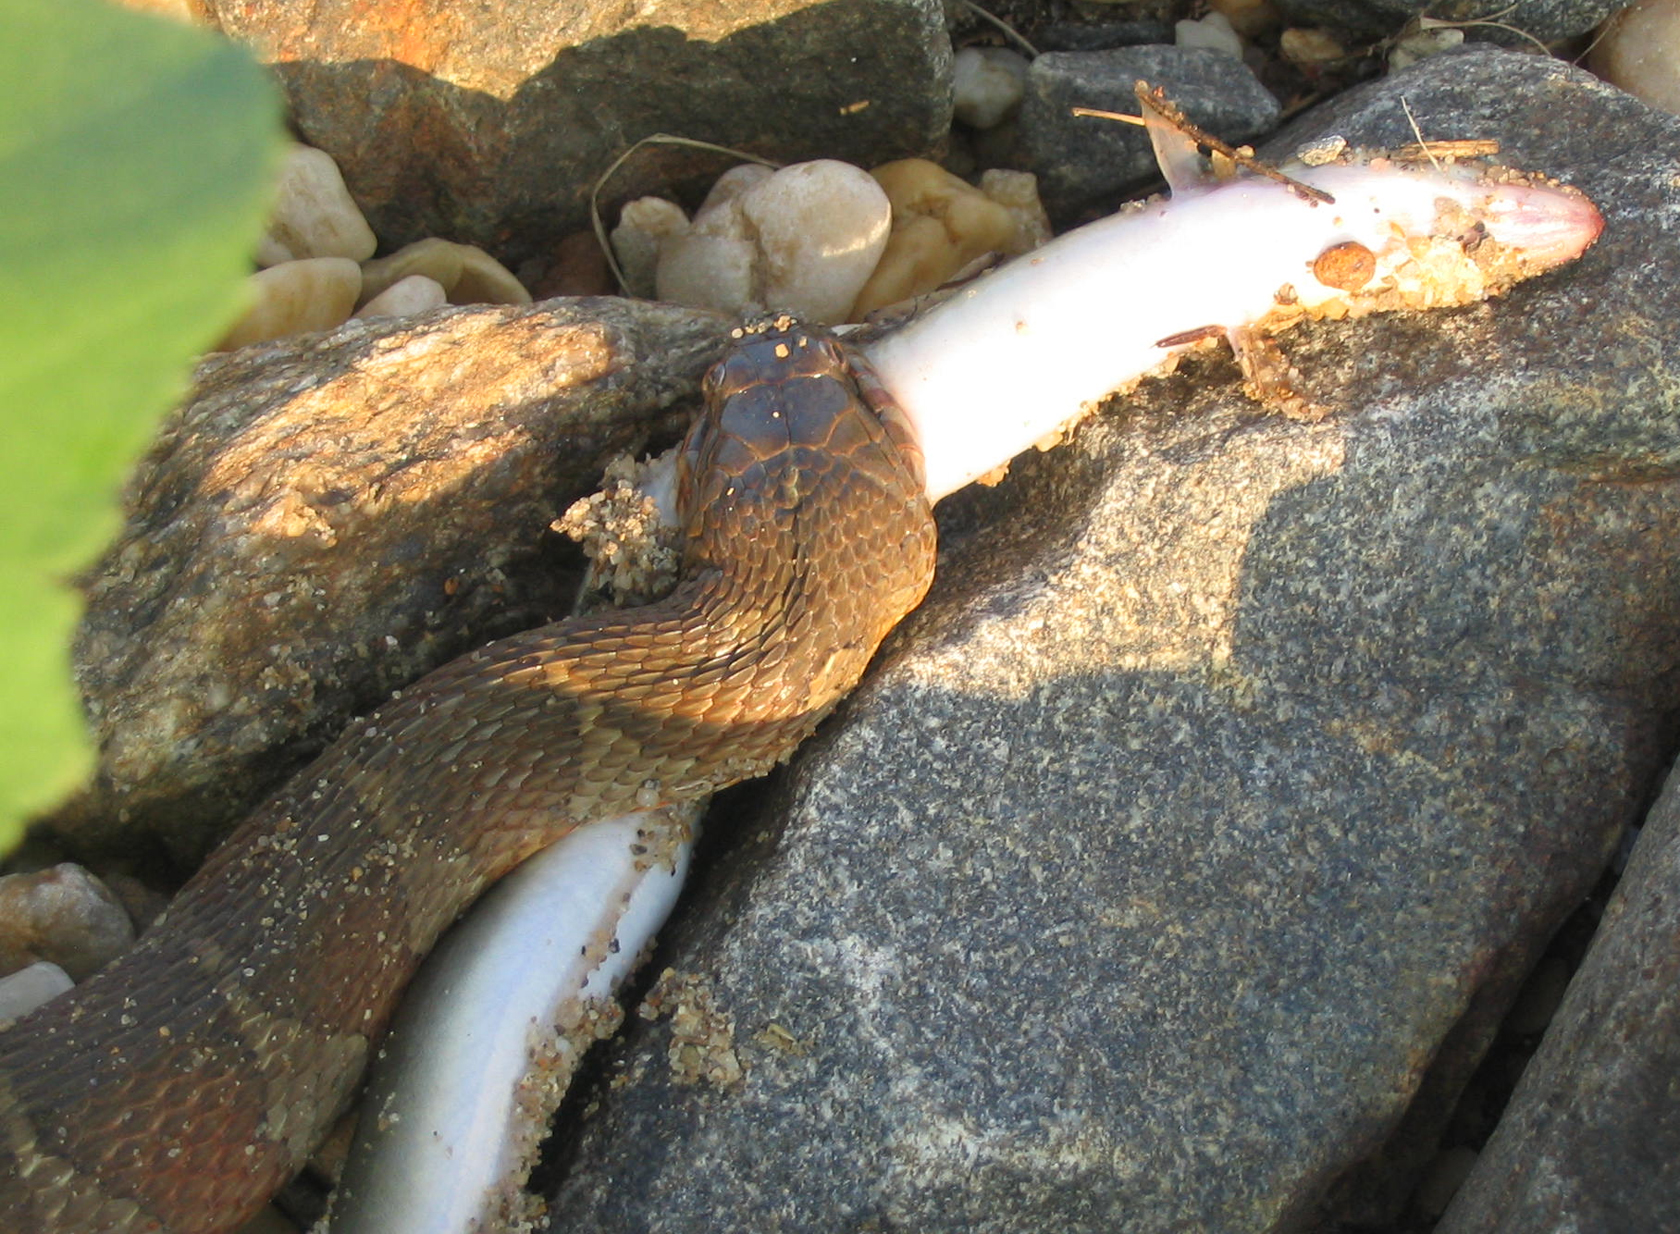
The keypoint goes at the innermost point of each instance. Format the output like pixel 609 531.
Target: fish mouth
pixel 1548 226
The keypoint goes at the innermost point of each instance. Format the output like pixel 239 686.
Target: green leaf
pixel 136 164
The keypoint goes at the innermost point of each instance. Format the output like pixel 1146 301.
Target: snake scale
pixel 178 1089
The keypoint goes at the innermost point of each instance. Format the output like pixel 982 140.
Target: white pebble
pixel 1214 32
pixel 314 214
pixel 405 298
pixel 1640 52
pixel 645 226
pixel 988 82
pixel 28 988
pixel 801 240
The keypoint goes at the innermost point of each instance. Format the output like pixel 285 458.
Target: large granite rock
pixel 490 123
pixel 328 517
pixel 1174 866
pixel 1591 1139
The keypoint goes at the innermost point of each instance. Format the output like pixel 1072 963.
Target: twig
pixel 1156 101
pixel 1418 133
pixel 653 139
pixel 1009 31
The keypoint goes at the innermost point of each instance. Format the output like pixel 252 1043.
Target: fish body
pixel 1024 350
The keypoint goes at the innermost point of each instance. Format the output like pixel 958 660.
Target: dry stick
pixel 1418 133
pixel 1437 23
pixel 1156 101
pixel 653 139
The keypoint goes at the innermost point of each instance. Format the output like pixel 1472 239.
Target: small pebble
pixel 1422 44
pixel 405 298
pixel 802 240
pixel 295 297
pixel 28 988
pixel 1640 52
pixel 467 274
pixel 1214 32
pixel 644 227
pixel 63 914
pixel 988 85
pixel 940 223
pixel 1308 48
pixel 314 214
pixel 1017 192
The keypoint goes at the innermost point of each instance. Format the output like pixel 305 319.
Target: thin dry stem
pixel 653 139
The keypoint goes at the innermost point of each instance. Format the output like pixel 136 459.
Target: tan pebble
pixel 314 214
pixel 1247 17
pixel 467 274
pixel 405 298
pixel 940 224
pixel 1309 48
pixel 63 914
pixel 295 297
pixel 1347 266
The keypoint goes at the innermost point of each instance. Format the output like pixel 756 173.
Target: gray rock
pixel 1174 866
pixel 490 124
pixel 327 518
pixel 1082 162
pixel 1099 36
pixel 1545 20
pixel 1591 1139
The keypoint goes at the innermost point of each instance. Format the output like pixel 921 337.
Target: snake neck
pixel 180 1087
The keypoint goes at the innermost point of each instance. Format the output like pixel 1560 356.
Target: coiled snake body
pixel 181 1087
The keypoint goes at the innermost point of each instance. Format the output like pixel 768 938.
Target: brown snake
pixel 178 1089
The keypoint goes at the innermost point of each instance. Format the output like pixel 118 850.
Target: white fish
pixel 1026 349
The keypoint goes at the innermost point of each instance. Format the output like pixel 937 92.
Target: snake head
pixel 786 403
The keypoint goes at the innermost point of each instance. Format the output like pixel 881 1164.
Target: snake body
pixel 180 1088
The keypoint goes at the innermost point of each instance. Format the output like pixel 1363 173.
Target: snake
pixel 182 1086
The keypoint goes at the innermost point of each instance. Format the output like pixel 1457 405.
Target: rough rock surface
pixel 1083 162
pixel 489 124
pixel 1184 850
pixel 329 517
pixel 1591 1138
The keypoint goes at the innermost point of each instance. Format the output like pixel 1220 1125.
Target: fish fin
pixel 1268 377
pixel 1189 338
pixel 1177 153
